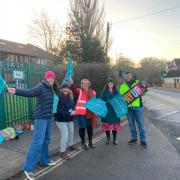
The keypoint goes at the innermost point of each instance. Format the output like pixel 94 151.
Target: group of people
pixel 65 103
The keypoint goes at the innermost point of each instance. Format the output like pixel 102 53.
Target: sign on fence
pixel 17 110
pixel 18 75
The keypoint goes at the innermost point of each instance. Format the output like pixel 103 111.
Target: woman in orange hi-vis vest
pixel 85 118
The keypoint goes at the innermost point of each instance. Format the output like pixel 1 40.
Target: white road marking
pixel 168 114
pixel 155 106
pixel 60 161
pixel 171 121
pixel 72 154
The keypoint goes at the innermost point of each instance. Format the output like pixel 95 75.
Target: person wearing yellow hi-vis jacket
pixel 131 90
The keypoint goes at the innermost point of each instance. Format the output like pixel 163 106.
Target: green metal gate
pixel 16 109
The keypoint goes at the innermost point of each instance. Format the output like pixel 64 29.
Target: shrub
pixel 97 73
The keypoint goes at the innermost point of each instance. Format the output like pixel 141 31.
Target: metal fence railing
pixel 16 109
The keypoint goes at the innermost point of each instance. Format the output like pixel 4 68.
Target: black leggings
pixel 82 134
pixel 114 134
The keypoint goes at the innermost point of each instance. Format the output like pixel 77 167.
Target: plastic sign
pixel 18 74
pixel 3 84
pixel 97 106
pixel 163 73
pixel 135 92
pixel 119 105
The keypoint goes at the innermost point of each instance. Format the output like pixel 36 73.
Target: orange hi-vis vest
pixel 82 99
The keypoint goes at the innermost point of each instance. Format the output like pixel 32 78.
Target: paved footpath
pixel 13 153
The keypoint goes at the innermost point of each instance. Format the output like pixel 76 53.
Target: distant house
pixel 172 80
pixel 24 53
pixel 173 65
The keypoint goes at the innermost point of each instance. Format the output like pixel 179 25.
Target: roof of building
pixel 177 61
pixel 24 49
pixel 174 73
pixel 170 64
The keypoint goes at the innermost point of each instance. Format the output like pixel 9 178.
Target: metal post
pixel 29 83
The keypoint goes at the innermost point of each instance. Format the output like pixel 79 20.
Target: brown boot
pixel 73 148
pixel 64 156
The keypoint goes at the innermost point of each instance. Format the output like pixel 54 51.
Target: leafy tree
pixel 85 31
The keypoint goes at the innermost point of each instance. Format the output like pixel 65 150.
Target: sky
pixel 138 28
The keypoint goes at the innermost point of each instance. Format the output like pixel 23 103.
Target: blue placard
pixel 3 84
pixel 119 105
pixel 97 106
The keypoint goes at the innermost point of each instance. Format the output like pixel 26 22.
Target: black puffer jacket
pixel 44 96
pixel 65 106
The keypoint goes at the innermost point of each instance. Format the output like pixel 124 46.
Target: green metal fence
pixel 16 109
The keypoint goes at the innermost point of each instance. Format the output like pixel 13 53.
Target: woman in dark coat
pixel 64 119
pixel 46 96
pixel 111 122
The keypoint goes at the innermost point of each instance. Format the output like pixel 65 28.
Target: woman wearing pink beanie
pixel 46 93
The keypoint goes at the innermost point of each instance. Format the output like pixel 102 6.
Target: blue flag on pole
pixel 119 105
pixel 3 84
pixel 97 106
pixel 70 71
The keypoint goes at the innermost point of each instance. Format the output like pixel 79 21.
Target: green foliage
pixel 85 32
pixel 97 73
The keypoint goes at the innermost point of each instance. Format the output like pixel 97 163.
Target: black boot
pixel 108 141
pixel 114 137
pixel 91 145
pixel 108 137
pixel 82 136
pixel 115 142
pixel 83 146
pixel 90 134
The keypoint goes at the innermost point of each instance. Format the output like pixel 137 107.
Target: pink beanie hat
pixel 50 74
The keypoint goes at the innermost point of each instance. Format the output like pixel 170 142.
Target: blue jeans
pixel 38 150
pixel 136 114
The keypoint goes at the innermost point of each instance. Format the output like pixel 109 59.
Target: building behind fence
pixel 22 66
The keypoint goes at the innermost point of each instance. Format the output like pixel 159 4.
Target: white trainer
pixel 29 175
pixel 51 163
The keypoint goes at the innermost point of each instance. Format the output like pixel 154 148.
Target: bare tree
pixel 150 69
pixel 46 32
pixel 124 63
